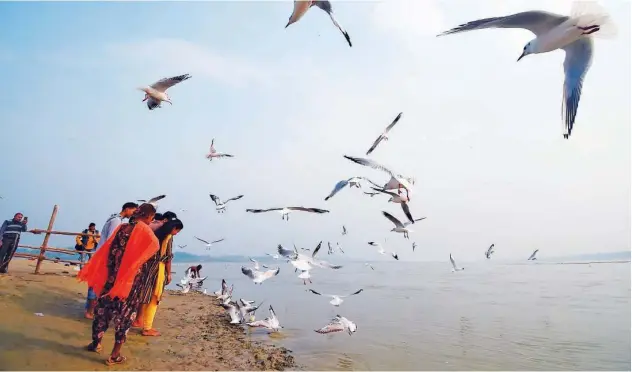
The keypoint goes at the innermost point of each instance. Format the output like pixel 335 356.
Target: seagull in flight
pixel 401 227
pixel 532 257
pixel 258 277
pixel 371 194
pixel 384 136
pixel 213 154
pixel 302 6
pixel 336 300
pixel 285 211
pixel 369 265
pixel 399 199
pixel 233 311
pixel 156 93
pixel 330 248
pixel 414 246
pixel 574 35
pixel 454 267
pixel 339 248
pixel 220 205
pixel 338 324
pixel 182 246
pixel 153 201
pixel 256 266
pixel 381 250
pixel 223 290
pixel 397 180
pixel 489 252
pixel 352 182
pixel 208 245
pixel 274 256
pixel 344 230
pixel 271 323
pixel 305 263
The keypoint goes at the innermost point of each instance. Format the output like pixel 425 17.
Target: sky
pixel 481 133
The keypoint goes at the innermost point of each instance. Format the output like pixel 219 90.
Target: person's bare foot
pixel 150 332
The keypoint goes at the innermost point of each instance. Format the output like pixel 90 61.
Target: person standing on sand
pixel 9 238
pixel 87 243
pixel 156 275
pixel 108 228
pixel 112 273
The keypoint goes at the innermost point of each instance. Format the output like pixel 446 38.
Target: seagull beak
pixel 524 53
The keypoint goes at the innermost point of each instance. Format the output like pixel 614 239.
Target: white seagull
pixel 285 211
pixel 399 199
pixel 271 323
pixel 401 227
pixel 532 257
pixel 274 256
pixel 397 181
pixel 336 300
pixel 220 205
pixel 305 276
pixel 352 182
pixel 258 277
pixel 381 250
pixel 572 34
pixel 302 6
pixel 305 263
pixel 256 266
pixel 208 244
pixel 384 135
pixel 369 265
pixel 454 267
pixel 222 290
pixel 184 287
pixel 234 313
pixel 182 246
pixel 338 324
pixel 489 252
pixel 213 154
pixel 344 230
pixel 153 201
pixel 157 92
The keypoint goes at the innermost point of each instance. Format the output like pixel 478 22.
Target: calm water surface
pixel 414 316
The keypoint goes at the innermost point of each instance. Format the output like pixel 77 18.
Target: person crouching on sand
pixel 112 273
pixel 157 274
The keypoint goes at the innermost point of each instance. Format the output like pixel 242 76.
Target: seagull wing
pixel 385 192
pixel 452 262
pixel 576 64
pixel 271 273
pixel 326 6
pixel 248 272
pixel 317 248
pixel 202 240
pixel 399 116
pixel 334 326
pixel 259 324
pixel 370 163
pixel 286 252
pixel 393 219
pixel 407 212
pixel 217 241
pixel 354 293
pixel 381 137
pixel 155 199
pixel 538 22
pixel 314 292
pixel 263 210
pixel 300 8
pixel 418 219
pixel 304 209
pixel 215 199
pixel 339 186
pixel 234 198
pixel 166 83
pixel 224 286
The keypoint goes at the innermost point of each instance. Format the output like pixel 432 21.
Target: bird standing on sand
pixel 302 6
pixel 157 92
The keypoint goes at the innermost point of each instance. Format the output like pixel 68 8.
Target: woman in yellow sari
pixel 157 272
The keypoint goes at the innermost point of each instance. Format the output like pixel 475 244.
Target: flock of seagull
pixel 573 34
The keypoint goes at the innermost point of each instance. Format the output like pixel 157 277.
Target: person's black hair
pixel 144 210
pixel 158 217
pixel 92 224
pixel 129 205
pixel 169 215
pixel 164 230
pixel 199 267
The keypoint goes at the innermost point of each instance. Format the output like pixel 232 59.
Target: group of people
pixel 127 274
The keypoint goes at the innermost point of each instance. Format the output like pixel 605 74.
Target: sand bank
pixel 195 331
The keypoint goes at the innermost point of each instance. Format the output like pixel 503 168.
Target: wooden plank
pixel 51 249
pixel 40 231
pixel 45 242
pixel 35 256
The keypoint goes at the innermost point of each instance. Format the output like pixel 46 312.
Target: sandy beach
pixel 195 332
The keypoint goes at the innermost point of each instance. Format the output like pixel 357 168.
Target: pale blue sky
pixel 480 132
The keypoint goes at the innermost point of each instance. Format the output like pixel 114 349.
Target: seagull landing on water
pixel 208 244
pixel 157 92
pixel 532 257
pixel 153 201
pixel 384 136
pixel 454 267
pixel 213 154
pixel 258 277
pixel 302 6
pixel 381 250
pixel 336 300
pixel 352 182
pixel 401 227
pixel 285 211
pixel 220 205
pixel 271 323
pixel 574 35
pixel 338 324
pixel 397 181
pixel 489 252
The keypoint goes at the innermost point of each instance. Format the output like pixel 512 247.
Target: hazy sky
pixel 481 133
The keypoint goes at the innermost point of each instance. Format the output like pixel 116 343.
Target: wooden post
pixel 45 242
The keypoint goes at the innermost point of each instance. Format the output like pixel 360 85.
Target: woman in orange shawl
pixel 112 273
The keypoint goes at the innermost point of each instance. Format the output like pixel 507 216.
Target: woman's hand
pixel 168 278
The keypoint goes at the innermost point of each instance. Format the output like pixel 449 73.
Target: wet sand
pixel 195 331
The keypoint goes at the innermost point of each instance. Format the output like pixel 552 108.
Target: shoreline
pixel 195 330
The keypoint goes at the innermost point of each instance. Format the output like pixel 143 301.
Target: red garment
pixel 140 247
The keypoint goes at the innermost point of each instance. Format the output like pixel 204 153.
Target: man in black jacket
pixel 9 239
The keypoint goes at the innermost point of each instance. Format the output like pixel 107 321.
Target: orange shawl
pixel 141 246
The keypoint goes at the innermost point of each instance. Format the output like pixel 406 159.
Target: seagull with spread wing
pixel 209 244
pixel 157 92
pixel 381 250
pixel 213 154
pixel 256 266
pixel 397 181
pixel 532 257
pixel 258 277
pixel 338 324
pixel 384 136
pixel 398 199
pixel 302 6
pixel 454 267
pixel 285 211
pixel 271 323
pixel 336 300
pixel 153 201
pixel 489 252
pixel 182 246
pixel 220 205
pixel 401 227
pixel 352 182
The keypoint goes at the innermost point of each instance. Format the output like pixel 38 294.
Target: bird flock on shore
pixel 573 34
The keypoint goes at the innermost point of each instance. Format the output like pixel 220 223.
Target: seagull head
pixel 530 48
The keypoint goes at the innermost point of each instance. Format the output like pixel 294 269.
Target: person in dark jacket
pixel 9 239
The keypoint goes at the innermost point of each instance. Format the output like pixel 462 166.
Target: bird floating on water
pixel 156 93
